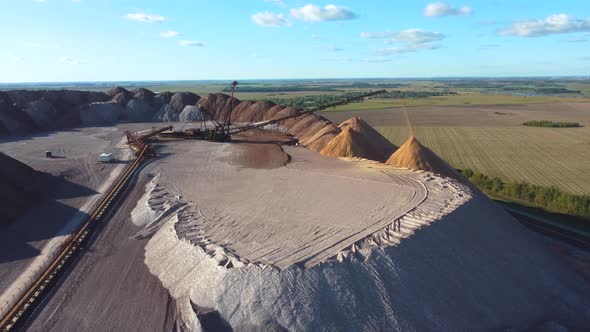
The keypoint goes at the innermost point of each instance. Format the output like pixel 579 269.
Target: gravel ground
pixel 78 178
pixel 110 287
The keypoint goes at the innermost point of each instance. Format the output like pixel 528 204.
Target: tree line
pixel 551 198
pixel 313 100
pixel 551 124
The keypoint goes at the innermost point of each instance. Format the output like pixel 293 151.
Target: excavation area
pixel 301 212
pixel 295 223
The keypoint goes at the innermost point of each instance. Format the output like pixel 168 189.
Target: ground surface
pixel 110 287
pixel 29 243
pixel 491 139
pixel 264 215
pixel 79 179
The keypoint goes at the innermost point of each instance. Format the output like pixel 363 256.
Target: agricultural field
pixel 491 140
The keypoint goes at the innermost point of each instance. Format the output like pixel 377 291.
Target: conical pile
pixel 368 142
pixel 413 155
pixel 380 147
pixel 346 144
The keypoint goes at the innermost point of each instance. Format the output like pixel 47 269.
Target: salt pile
pixel 458 263
pixel 413 155
pixel 347 144
pixel 360 140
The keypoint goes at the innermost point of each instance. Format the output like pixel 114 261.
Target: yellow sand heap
pixel 358 139
pixel 413 155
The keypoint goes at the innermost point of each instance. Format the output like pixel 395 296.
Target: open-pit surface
pixel 264 216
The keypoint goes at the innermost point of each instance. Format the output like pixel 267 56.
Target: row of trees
pixel 550 198
pixel 415 94
pixel 313 100
pixel 551 124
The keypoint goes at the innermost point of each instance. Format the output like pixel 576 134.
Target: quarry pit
pixel 343 231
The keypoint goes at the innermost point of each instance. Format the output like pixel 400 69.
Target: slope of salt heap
pixel 348 143
pixel 471 268
pixel 239 110
pixel 359 140
pixel 217 104
pixel 256 111
pixel 413 155
pixel 303 123
pixel 381 147
pixel 272 112
pixel 321 128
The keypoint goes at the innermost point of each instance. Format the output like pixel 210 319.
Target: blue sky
pixel 106 40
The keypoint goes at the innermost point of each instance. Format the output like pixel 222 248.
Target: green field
pixel 465 99
pixel 543 156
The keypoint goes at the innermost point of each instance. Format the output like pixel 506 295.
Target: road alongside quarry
pixel 129 297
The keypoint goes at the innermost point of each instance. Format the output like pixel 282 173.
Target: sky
pixel 133 40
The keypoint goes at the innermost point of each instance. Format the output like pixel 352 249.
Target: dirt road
pixel 109 288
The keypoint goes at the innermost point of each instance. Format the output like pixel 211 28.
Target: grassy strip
pixel 573 222
pixel 549 199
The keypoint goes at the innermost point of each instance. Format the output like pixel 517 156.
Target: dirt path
pixel 110 288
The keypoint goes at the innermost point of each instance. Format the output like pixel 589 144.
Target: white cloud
pixel 169 34
pixel 70 60
pixel 554 24
pixel 40 1
pixel 437 9
pixel 268 19
pixel 147 18
pixel 191 43
pixel 410 36
pixel 75 0
pixel 410 48
pixel 312 13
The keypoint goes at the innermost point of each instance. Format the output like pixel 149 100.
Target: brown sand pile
pixel 272 112
pixel 256 155
pixel 379 147
pixel 303 123
pixel 256 111
pixel 322 137
pixel 21 188
pixel 236 114
pixel 347 144
pixel 320 143
pixel 288 111
pixel 312 130
pixel 217 104
pixel 265 136
pixel 413 155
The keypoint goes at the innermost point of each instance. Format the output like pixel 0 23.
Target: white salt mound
pixel 475 269
pixel 101 113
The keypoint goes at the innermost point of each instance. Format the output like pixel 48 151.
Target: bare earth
pixel 110 288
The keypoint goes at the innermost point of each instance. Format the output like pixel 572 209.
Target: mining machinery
pixel 222 131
